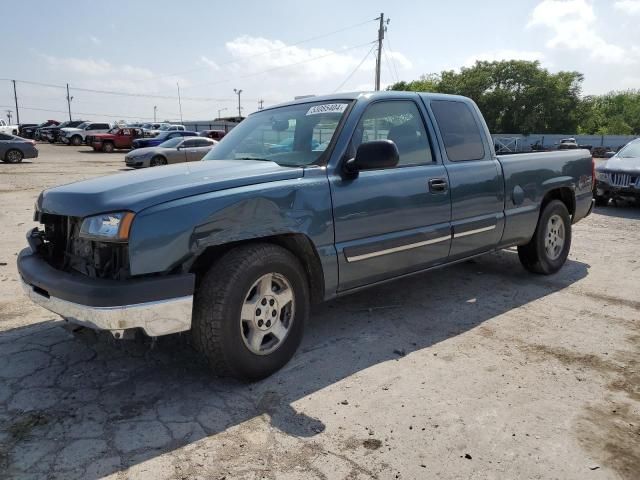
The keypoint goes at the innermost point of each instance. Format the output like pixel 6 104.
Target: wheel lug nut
pixel 258 311
pixel 274 313
pixel 268 323
pixel 264 301
pixel 260 323
pixel 271 302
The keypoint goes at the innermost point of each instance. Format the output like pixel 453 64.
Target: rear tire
pixel 157 161
pixel 249 311
pixel 547 251
pixel 13 156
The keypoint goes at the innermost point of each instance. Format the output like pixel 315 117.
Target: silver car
pixel 13 148
pixel 174 150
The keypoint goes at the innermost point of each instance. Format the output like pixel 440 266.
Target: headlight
pixel 112 227
pixel 603 177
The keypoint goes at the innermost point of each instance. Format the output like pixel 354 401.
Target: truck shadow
pixel 80 406
pixel 623 209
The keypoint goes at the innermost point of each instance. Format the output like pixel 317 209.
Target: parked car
pixel 8 129
pixel 236 247
pixel 568 144
pixel 77 136
pixel 52 133
pixel 23 126
pixel 166 127
pixel 174 150
pixel 213 134
pixel 30 131
pixel 13 148
pixel 151 129
pixel 619 176
pixel 116 138
pixel 160 138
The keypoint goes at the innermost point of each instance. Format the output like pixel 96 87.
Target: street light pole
pixel 238 92
pixel 220 111
pixel 155 109
pixel 69 98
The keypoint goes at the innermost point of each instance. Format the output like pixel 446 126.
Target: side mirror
pixel 373 155
pixel 609 154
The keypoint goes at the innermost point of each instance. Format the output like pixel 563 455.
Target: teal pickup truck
pixel 362 188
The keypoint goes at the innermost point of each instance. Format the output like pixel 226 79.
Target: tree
pixel 515 96
pixel 615 113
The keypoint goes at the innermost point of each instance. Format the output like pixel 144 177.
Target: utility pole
pixel 220 111
pixel 9 116
pixel 260 102
pixel 238 92
pixel 381 31
pixel 155 109
pixel 15 97
pixel 179 102
pixel 69 98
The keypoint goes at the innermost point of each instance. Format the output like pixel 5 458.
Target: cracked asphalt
pixel 479 370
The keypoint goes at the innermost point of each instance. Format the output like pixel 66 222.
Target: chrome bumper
pixel 155 318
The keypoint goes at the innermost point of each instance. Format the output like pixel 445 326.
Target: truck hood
pixel 71 129
pixel 620 164
pixel 140 189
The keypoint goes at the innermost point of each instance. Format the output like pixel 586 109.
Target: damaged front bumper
pixel 158 305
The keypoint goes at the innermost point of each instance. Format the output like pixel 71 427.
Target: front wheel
pixel 547 251
pixel 157 161
pixel 76 141
pixel 107 147
pixel 249 311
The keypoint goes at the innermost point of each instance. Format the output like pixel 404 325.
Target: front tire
pixel 157 161
pixel 107 147
pixel 13 156
pixel 249 311
pixel 76 140
pixel 547 251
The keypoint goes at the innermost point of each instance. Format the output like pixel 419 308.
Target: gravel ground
pixel 479 370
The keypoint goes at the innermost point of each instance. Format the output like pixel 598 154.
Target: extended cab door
pixel 475 178
pixel 392 221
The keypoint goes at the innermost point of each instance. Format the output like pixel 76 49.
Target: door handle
pixel 438 185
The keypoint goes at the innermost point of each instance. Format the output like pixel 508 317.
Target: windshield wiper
pixel 255 158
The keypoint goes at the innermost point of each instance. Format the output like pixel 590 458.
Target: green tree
pixel 515 96
pixel 615 113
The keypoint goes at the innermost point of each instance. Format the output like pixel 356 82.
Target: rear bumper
pixel 158 305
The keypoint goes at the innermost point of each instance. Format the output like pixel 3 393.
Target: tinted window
pixel 459 129
pixel 190 143
pixel 400 122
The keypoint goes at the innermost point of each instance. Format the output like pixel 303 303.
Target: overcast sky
pixel 274 50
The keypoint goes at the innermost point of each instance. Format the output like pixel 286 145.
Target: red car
pixel 214 134
pixel 116 138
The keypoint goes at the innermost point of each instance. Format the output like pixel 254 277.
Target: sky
pixel 278 49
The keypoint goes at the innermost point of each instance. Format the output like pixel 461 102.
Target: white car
pixel 77 136
pixel 8 129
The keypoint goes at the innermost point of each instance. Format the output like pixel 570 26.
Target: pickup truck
pixel 235 248
pixel 77 136
pixel 116 138
pixel 8 129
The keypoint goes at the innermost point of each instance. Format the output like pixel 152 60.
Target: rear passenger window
pixel 459 129
pixel 400 122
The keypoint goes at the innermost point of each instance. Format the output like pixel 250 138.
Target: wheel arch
pixel 565 194
pixel 297 243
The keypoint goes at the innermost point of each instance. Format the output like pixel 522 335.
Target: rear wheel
pixel 250 310
pixel 107 147
pixel 13 156
pixel 157 161
pixel 547 251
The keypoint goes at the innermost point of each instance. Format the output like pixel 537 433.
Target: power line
pixel 393 60
pixel 355 69
pixel 310 39
pixel 84 113
pixel 388 63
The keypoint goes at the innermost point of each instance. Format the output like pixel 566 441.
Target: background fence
pixel 507 142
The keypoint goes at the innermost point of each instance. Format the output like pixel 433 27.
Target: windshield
pixel 294 135
pixel 82 125
pixel 164 127
pixel 630 151
pixel 171 143
pixel 64 124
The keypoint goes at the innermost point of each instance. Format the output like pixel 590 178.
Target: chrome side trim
pixel 155 318
pixel 401 248
pixel 473 232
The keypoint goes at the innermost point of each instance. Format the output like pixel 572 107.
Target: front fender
pixel 166 236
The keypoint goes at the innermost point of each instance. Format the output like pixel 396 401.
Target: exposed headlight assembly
pixel 107 227
pixel 603 177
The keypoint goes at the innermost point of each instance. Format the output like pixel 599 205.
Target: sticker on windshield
pixel 327 108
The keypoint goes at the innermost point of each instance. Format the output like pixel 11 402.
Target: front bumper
pixel 604 189
pixel 159 305
pixel 136 162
